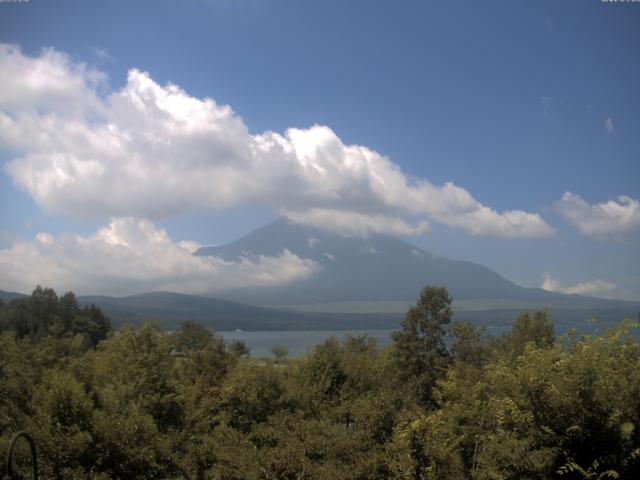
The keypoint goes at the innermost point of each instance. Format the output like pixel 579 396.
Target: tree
pixel 537 328
pixel 419 350
pixel 44 314
pixel 237 349
pixel 280 353
pixel 251 393
pixel 61 424
pixel 468 347
pixel 323 374
pixel 192 336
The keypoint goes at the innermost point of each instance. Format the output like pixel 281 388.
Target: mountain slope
pixel 377 268
pixel 6 297
pixel 172 309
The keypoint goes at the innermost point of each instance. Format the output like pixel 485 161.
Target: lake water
pixel 300 342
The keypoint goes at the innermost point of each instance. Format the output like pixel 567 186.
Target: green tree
pixel 322 376
pixel 61 424
pixel 418 348
pixel 280 353
pixel 251 393
pixel 44 314
pixel 192 336
pixel 238 349
pixel 468 346
pixel 537 328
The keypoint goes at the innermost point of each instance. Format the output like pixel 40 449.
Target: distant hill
pixel 171 309
pixel 363 283
pixel 6 297
pixel 381 268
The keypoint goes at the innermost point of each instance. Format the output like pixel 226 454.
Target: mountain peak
pixel 374 268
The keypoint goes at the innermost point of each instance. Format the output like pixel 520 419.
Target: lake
pixel 300 342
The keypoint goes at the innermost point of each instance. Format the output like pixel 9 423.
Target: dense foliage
pixel 142 403
pixel 45 314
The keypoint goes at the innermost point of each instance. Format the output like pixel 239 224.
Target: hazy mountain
pixel 171 309
pixel 357 275
pixel 377 268
pixel 6 297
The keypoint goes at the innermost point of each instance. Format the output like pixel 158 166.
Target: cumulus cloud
pixel 596 288
pixel 131 256
pixel 611 218
pixel 49 82
pixel 348 223
pixel 153 151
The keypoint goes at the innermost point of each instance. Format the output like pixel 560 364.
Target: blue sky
pixel 516 103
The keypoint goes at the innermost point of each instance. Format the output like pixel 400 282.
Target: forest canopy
pixel 138 402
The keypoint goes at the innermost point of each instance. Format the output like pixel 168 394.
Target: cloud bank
pixel 611 218
pixel 133 256
pixel 152 151
pixel 596 288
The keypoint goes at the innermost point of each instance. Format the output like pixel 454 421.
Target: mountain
pixel 172 309
pixel 381 268
pixel 6 297
pixel 363 283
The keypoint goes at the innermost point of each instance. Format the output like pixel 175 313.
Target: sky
pixel 500 132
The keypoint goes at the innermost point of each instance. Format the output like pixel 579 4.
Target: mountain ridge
pixel 364 283
pixel 374 268
pixel 172 309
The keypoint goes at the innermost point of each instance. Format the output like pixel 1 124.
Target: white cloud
pixel 44 238
pixel 481 220
pixel 608 125
pixel 189 245
pixel 611 218
pixel 348 223
pixel 50 82
pixel 130 256
pixel 153 151
pixel 596 288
